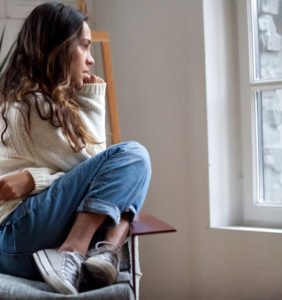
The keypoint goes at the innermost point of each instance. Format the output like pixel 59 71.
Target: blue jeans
pixel 113 182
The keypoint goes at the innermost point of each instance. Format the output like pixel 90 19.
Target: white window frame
pixel 255 212
pixel 230 120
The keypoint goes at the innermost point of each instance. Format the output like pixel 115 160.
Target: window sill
pixel 247 229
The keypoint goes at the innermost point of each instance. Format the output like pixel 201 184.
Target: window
pixel 266 35
pixel 261 98
pixel 243 52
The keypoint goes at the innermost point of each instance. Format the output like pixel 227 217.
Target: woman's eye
pixel 86 46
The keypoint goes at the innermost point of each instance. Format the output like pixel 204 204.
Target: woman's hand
pixel 16 186
pixel 91 78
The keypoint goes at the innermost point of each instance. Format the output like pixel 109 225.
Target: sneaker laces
pixel 70 266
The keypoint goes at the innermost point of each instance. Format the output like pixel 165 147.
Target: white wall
pixel 158 56
pixel 157 49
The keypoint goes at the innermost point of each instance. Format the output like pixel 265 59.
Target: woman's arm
pixel 30 181
pixel 91 99
pixel 46 151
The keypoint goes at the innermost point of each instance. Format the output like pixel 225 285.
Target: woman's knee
pixel 139 155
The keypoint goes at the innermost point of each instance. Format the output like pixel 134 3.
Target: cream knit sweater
pixel 46 153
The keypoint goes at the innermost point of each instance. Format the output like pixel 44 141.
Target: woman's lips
pixel 86 75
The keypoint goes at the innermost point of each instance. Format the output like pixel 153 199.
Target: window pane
pixel 269 128
pixel 267 32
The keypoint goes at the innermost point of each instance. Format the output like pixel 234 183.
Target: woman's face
pixel 82 59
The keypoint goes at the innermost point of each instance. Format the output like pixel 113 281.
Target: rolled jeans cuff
pixel 105 208
pixel 100 207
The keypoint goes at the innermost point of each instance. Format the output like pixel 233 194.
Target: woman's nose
pixel 90 60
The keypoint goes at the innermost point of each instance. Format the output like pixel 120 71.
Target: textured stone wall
pixel 269 67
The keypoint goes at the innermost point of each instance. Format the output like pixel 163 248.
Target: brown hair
pixel 40 63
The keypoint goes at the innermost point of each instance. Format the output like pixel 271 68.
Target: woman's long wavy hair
pixel 40 63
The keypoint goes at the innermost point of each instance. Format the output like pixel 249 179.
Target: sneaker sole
pixel 50 275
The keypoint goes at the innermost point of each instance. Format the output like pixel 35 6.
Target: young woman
pixel 61 190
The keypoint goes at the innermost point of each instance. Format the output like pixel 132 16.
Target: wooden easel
pixel 82 6
pixel 103 39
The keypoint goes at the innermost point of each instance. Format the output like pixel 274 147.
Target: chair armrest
pixel 144 224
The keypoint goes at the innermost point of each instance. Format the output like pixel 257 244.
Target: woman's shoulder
pixel 33 105
pixel 29 100
pixel 37 100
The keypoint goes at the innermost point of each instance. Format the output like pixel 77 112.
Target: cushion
pixel 16 288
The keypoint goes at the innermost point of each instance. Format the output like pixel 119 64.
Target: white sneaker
pixel 59 269
pixel 101 267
